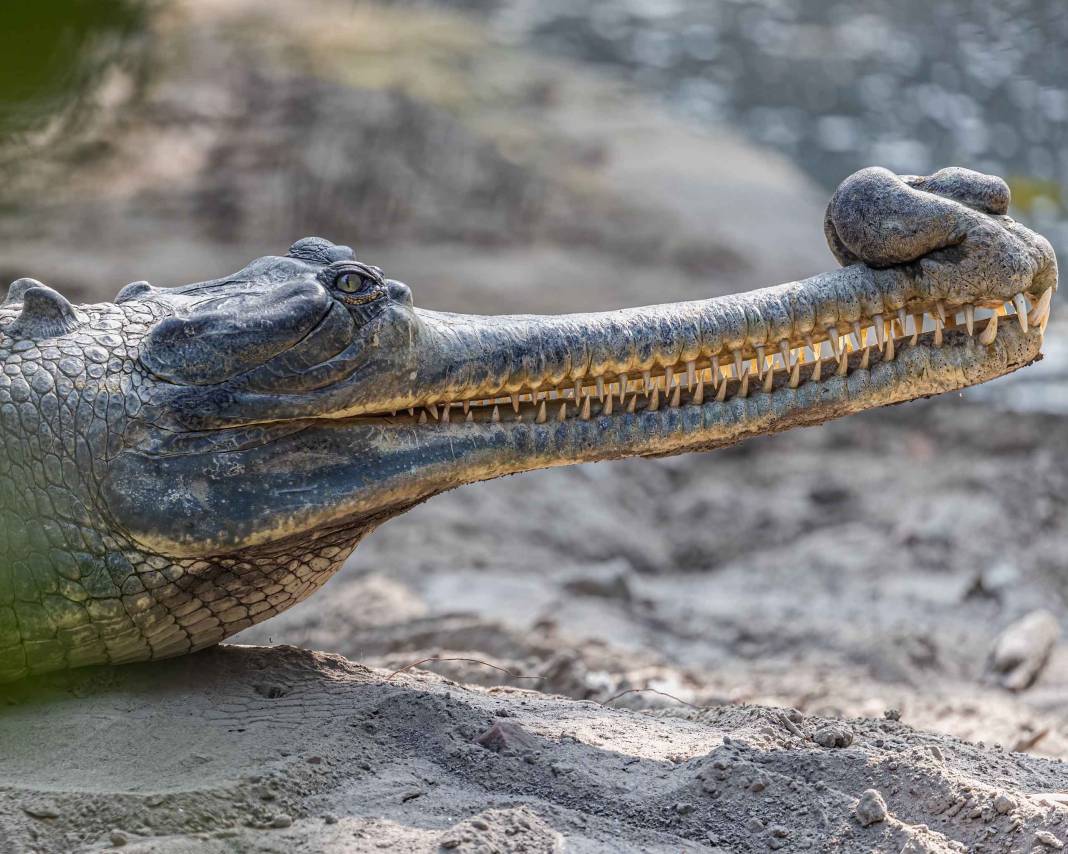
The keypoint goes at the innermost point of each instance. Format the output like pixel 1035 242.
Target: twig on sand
pixel 514 675
pixel 454 658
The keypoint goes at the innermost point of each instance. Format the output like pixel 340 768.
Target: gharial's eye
pixel 353 283
pixel 357 283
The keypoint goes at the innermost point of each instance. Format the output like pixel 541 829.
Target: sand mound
pixel 281 750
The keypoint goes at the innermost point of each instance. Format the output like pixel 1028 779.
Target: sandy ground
pixel 797 644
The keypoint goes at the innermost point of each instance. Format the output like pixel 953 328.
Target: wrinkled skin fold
pixel 182 463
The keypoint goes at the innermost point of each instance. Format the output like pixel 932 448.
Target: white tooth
pixel 541 416
pixel 940 308
pixel 467 406
pixel 585 412
pixel 699 393
pixel 654 400
pixel 902 317
pixel 795 375
pixel 433 410
pixel 787 354
pixel 969 319
pixel 769 381
pixel 888 353
pixel 578 391
pixel 647 381
pixel 760 361
pixel 987 335
pixel 411 411
pixel 496 416
pixel 600 388
pixel 1041 309
pixel 676 397
pixel 721 393
pixel 717 376
pixel 812 346
pixel 880 330
pixel 669 379
pixel 832 336
pixel 859 333
pixel 632 403
pixel 938 331
pixel 817 371
pixel 1020 302
pixel 737 363
pixel 865 360
pixel 445 413
pixel 469 417
pixel 843 365
pixel 515 402
pixel 422 417
pixel 624 381
pixel 743 389
pixel 606 409
pixel 917 327
pixel 691 374
pixel 562 414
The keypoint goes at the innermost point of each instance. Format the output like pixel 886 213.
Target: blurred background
pixel 513 155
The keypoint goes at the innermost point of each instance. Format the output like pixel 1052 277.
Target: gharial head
pixel 184 462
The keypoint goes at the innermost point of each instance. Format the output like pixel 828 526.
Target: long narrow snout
pixel 923 255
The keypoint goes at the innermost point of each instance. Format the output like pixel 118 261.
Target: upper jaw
pixel 937 249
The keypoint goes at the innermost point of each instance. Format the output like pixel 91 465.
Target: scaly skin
pixel 180 464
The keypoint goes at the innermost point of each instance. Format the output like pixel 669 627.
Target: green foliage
pixel 53 51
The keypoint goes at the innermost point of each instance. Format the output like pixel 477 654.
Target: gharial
pixel 182 463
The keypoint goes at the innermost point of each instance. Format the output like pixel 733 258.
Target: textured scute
pixel 73 589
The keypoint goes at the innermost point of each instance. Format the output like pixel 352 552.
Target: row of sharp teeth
pixel 717 379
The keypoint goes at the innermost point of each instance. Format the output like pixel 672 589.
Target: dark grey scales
pixel 182 463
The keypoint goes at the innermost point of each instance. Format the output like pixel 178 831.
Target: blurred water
pixel 911 85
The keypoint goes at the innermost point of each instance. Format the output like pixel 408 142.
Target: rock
pixel 281 820
pixel 118 838
pixel 1003 804
pixel 1021 651
pixel 1048 840
pixel 834 734
pixel 871 808
pixel 42 809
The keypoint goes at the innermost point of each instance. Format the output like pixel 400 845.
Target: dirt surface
pixel 246 748
pixel 845 638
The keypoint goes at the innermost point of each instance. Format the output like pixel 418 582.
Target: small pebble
pixel 1003 804
pixel 833 735
pixel 871 808
pixel 118 838
pixel 281 820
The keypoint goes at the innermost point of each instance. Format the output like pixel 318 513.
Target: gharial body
pixel 182 463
